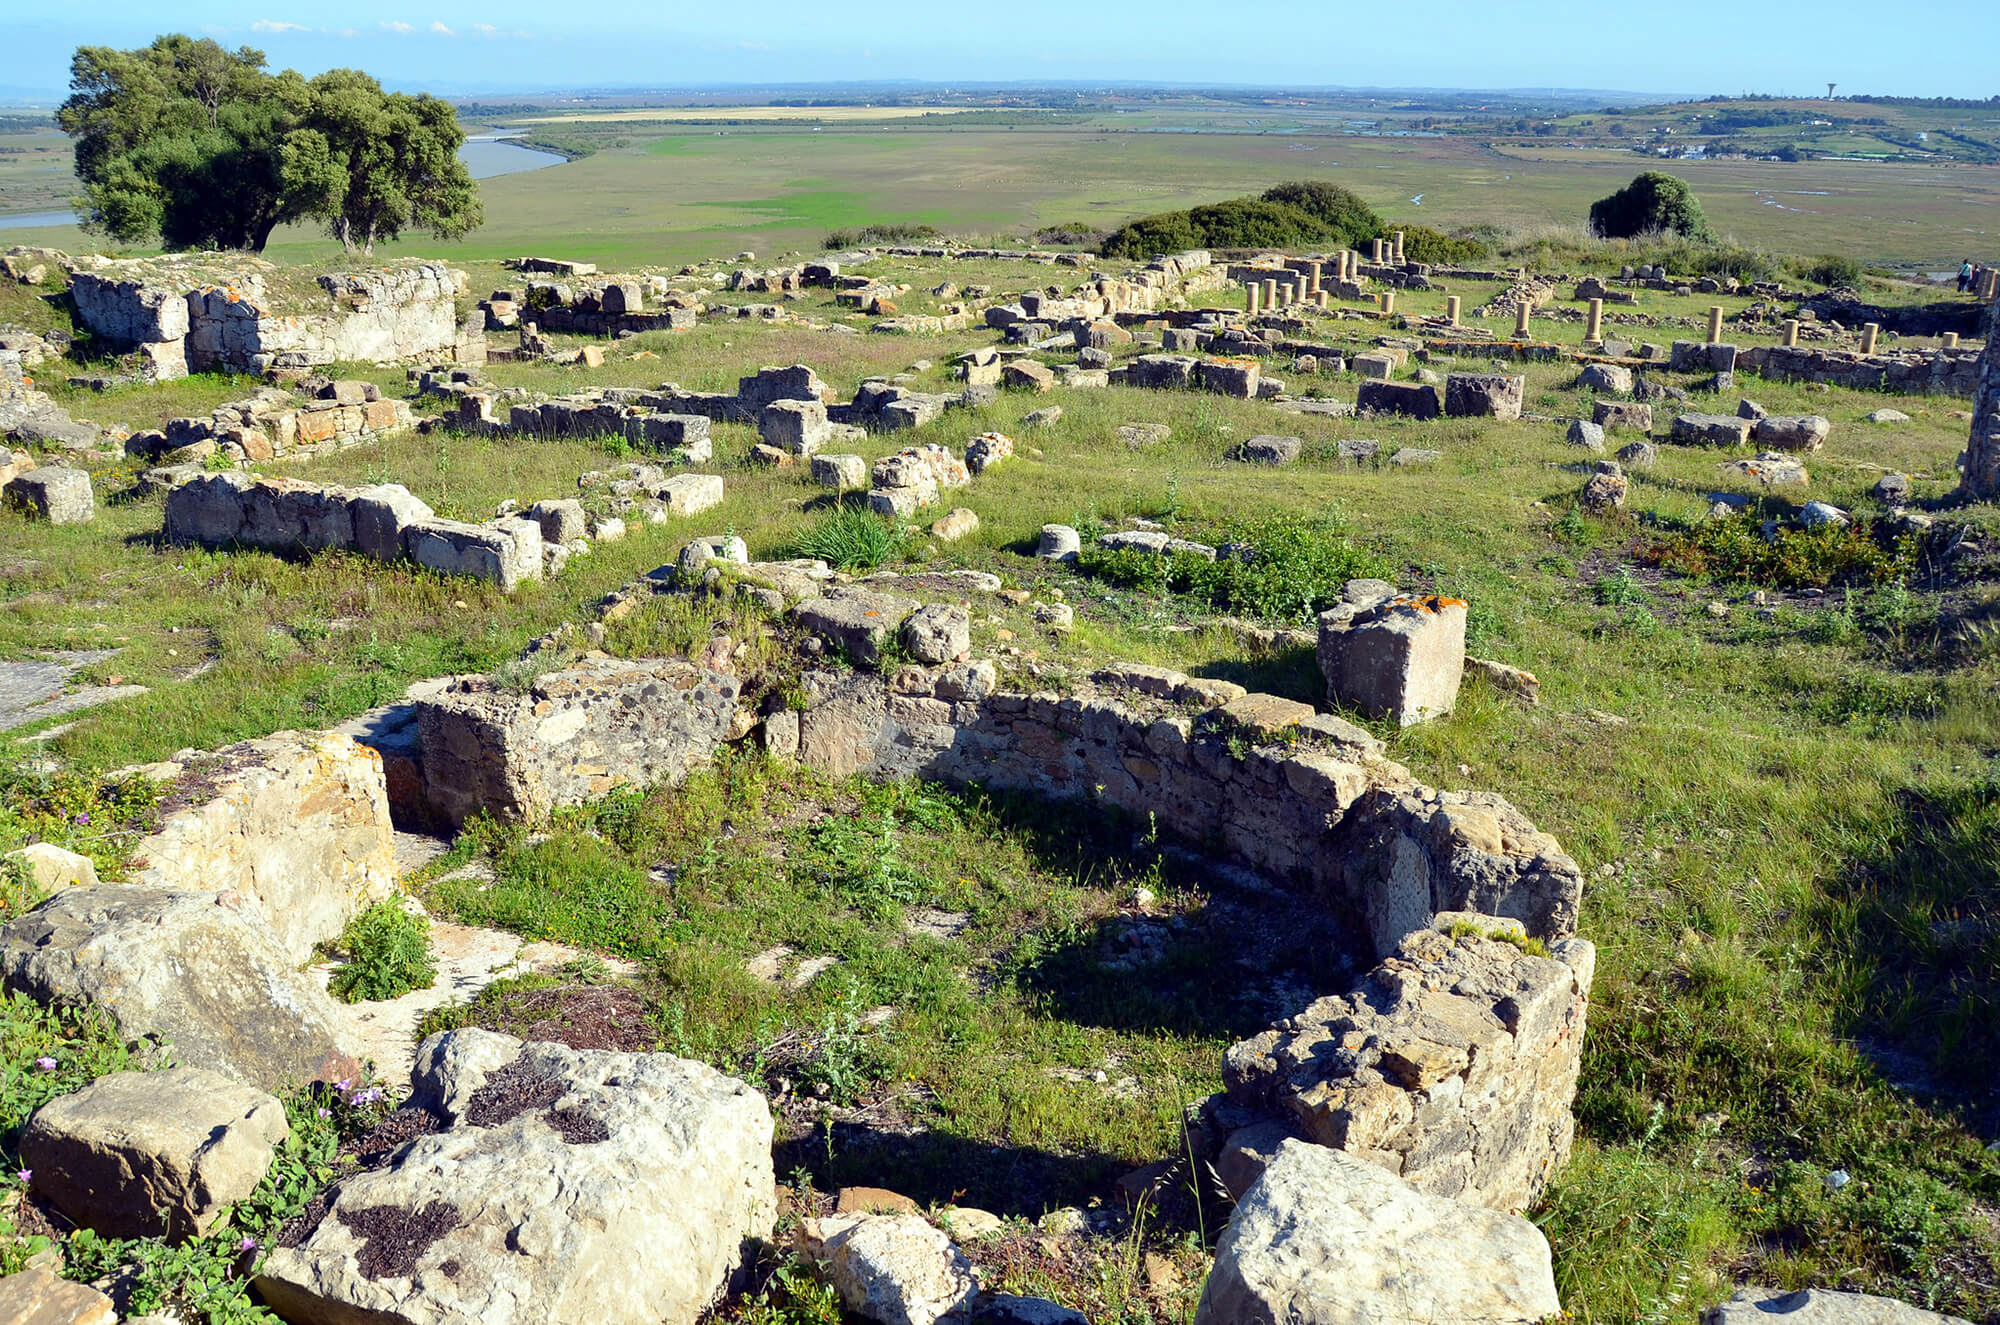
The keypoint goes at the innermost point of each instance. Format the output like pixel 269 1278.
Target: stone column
pixel 1791 333
pixel 1253 301
pixel 1991 287
pixel 1982 452
pixel 1350 263
pixel 1521 321
pixel 1593 327
pixel 1388 301
pixel 1715 324
pixel 1869 332
pixel 1375 251
pixel 1271 296
pixel 1950 339
pixel 1451 306
pixel 1312 279
pixel 1325 298
pixel 1399 248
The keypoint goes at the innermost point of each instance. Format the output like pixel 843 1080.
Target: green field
pixel 675 192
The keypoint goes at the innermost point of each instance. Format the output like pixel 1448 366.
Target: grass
pixel 1785 808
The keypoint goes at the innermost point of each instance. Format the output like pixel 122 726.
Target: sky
pixel 1695 47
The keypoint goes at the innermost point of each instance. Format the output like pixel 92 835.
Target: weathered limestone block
pixel 1610 414
pixel 296 824
pixel 1819 1306
pixel 1692 356
pixel 1981 479
pixel 796 426
pixel 199 971
pixel 152 1154
pixel 37 1297
pixel 1415 400
pixel 1587 435
pixel 672 432
pixel 50 867
pixel 1613 379
pixel 55 493
pixel 841 473
pixel 1327 1239
pixel 1453 1063
pixel 574 736
pixel 796 382
pixel 1027 375
pixel 1229 377
pixel 128 312
pixel 1711 430
pixel 937 633
pixel 483 552
pixel 565 1186
pixel 856 620
pixel 1059 542
pixel 1161 372
pixel 561 519
pixel 1269 449
pixel 893 1268
pixel 1483 395
pixel 208 510
pixel 1803 432
pixel 691 494
pixel 382 518
pixel 1399 658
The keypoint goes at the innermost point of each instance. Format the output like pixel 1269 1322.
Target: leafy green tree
pixel 205 148
pixel 182 139
pixel 375 163
pixel 1350 222
pixel 1652 203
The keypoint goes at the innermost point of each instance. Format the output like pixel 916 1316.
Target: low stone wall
pixel 1909 373
pixel 1453 1064
pixel 385 522
pixel 1982 452
pixel 274 425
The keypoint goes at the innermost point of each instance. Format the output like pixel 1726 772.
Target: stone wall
pixel 370 316
pixel 274 425
pixel 1982 452
pixel 1452 1064
pixel 1909 373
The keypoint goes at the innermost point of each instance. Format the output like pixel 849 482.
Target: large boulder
pixel 1324 1238
pixel 151 1154
pixel 199 971
pixel 562 1185
pixel 295 823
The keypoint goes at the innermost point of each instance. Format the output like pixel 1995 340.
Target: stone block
pixel 55 493
pixel 954 525
pixel 1711 430
pixel 1610 378
pixel 1400 660
pixel 1161 372
pixel 672 432
pixel 1587 435
pixel 35 1296
pixel 561 520
pixel 452 547
pixel 1058 542
pixel 1614 414
pixel 152 1154
pixel 1267 449
pixel 382 516
pixel 1414 400
pixel 691 494
pixel 856 621
pixel 1483 395
pixel 50 868
pixel 796 426
pixel 1819 1306
pixel 1806 432
pixel 1027 375
pixel 1236 378
pixel 841 473
pixel 1373 365
pixel 937 633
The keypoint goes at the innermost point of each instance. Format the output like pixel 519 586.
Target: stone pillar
pixel 1271 295
pixel 1312 280
pixel 1869 332
pixel 1350 263
pixel 1521 321
pixel 1451 306
pixel 1388 301
pixel 1950 339
pixel 1253 298
pixel 1399 248
pixel 1593 327
pixel 1715 324
pixel 1982 453
pixel 1990 288
pixel 1375 251
pixel 1791 333
pixel 1325 298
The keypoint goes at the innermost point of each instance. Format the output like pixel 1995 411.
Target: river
pixel 485 156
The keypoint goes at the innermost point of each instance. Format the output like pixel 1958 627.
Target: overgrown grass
pixel 851 538
pixel 1737 550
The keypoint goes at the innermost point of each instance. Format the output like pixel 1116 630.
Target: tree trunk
pixel 344 230
pixel 369 248
pixel 260 234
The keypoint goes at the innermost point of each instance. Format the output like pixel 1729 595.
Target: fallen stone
pixel 1888 416
pixel 1772 469
pixel 153 1154
pixel 1042 418
pixel 50 868
pixel 37 1297
pixel 55 493
pixel 1639 455
pixel 1521 684
pixel 564 1185
pixel 562 520
pixel 1323 1238
pixel 1484 395
pixel 1139 436
pixel 1805 432
pixel 1604 492
pixel 894 1269
pixel 954 525
pixel 1058 542
pixel 1267 449
pixel 1027 375
pixel 1711 430
pixel 1892 489
pixel 1399 659
pixel 840 472
pixel 937 633
pixel 1410 399
pixel 1615 379
pixel 1587 435
pixel 1818 514
pixel 872 1201
pixel 856 620
pixel 1614 414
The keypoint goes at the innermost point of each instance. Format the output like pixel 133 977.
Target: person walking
pixel 1965 276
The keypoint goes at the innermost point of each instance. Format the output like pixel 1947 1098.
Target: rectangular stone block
pixel 1484 395
pixel 1711 429
pixel 691 494
pixel 1411 399
pixel 452 547
pixel 1400 659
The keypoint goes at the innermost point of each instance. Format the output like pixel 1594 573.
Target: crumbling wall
pixel 1452 1064
pixel 1909 373
pixel 1982 452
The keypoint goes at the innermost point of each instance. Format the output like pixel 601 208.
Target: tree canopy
pixel 205 148
pixel 1286 216
pixel 1652 203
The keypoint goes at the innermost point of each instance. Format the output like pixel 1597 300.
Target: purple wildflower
pixel 247 1244
pixel 45 1063
pixel 24 1175
pixel 326 1113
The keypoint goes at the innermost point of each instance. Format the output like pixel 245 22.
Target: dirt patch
pixel 404 1125
pixel 577 1127
pixel 580 1016
pixel 392 1239
pixel 515 1089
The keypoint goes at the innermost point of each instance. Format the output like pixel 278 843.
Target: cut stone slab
pixel 1401 659
pixel 55 493
pixel 856 620
pixel 1269 449
pixel 152 1154
pixel 937 633
pixel 691 494
pixel 199 971
pixel 1614 379
pixel 1817 1306
pixel 1611 414
pixel 840 472
pixel 566 1185
pixel 1323 1238
pixel 1798 432
pixel 1484 395
pixel 894 1269
pixel 36 1297
pixel 1711 430
pixel 1411 399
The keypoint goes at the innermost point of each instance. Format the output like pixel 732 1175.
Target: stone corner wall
pixel 1452 1064
pixel 296 823
pixel 1982 453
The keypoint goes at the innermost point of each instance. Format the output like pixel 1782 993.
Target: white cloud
pixel 277 25
pixel 442 30
pixel 395 25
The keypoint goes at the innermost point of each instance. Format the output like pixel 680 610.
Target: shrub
pixel 888 232
pixel 1828 270
pixel 1348 220
pixel 1736 549
pixel 388 951
pixel 1653 201
pixel 1421 243
pixel 1296 571
pixel 1075 233
pixel 851 539
pixel 1289 215
pixel 1167 232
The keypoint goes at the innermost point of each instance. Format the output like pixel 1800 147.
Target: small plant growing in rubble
pixel 388 951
